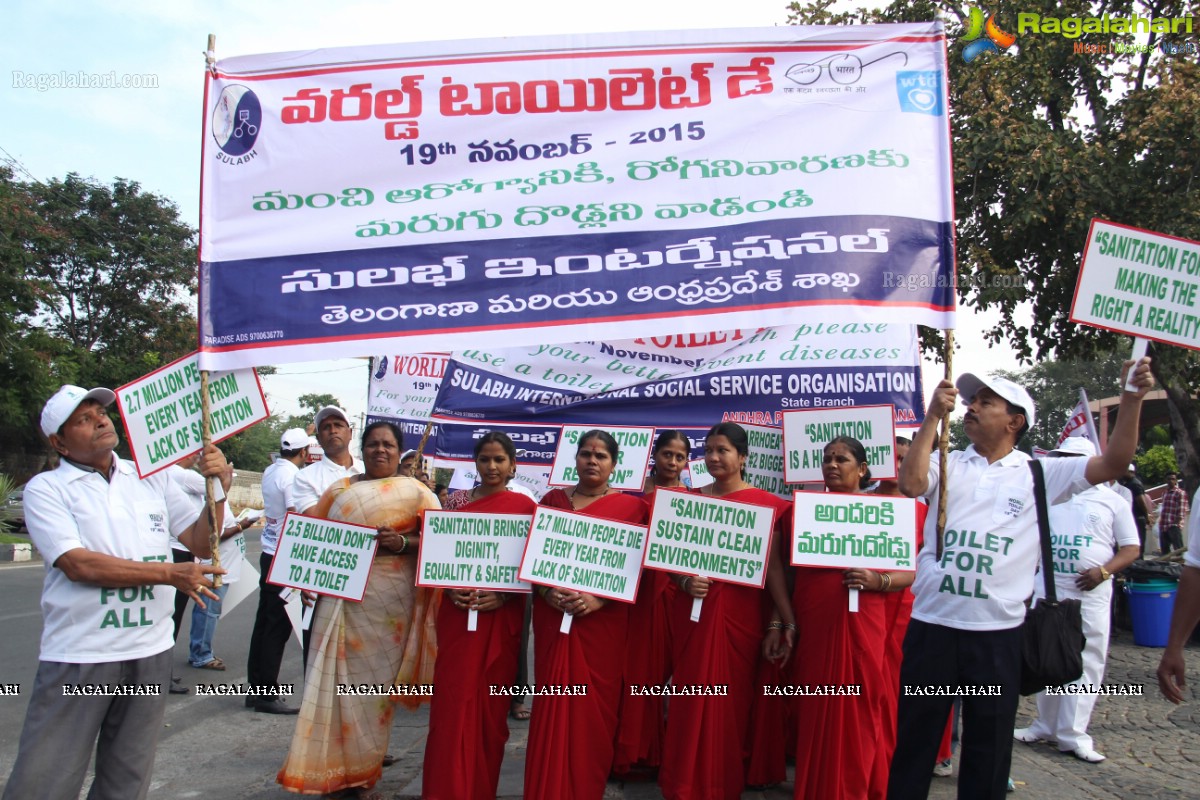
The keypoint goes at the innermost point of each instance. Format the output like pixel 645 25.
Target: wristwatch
pixel 1105 575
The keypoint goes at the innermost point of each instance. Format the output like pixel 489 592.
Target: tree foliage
pixel 1045 140
pixel 95 282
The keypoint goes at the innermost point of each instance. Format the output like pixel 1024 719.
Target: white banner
pixel 162 411
pixel 710 537
pixel 633 457
pixel 854 530
pixel 805 434
pixel 1141 283
pixel 322 556
pixel 415 197
pixel 586 554
pixel 464 550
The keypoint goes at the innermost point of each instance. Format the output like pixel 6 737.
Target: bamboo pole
pixel 421 446
pixel 944 444
pixel 210 502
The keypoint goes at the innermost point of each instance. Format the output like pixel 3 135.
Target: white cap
pixel 64 402
pixel 407 453
pixel 330 411
pixel 294 439
pixel 969 385
pixel 1075 446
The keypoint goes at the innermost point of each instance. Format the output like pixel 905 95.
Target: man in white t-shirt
pixel 1085 531
pixel 970 589
pixel 333 434
pixel 271 624
pixel 106 604
pixel 1185 617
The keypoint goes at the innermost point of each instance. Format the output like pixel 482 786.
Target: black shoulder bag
pixel 1052 639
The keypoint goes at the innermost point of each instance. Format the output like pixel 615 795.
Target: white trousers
pixel 1065 717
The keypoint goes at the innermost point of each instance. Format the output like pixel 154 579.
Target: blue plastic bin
pixel 1150 607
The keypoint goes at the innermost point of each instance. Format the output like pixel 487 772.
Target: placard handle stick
pixel 1140 346
pixel 943 452
pixel 696 603
pixel 853 600
pixel 421 447
pixel 473 619
pixel 210 500
pixel 565 627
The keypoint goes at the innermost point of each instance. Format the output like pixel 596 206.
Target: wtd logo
pixel 997 40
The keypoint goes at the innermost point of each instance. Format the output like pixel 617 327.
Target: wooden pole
pixel 944 444
pixel 421 446
pixel 210 502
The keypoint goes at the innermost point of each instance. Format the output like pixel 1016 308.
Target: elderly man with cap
pixel 272 627
pixel 971 587
pixel 333 434
pixel 1086 532
pixel 106 603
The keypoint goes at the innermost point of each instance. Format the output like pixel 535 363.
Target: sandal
pixel 216 664
pixel 519 712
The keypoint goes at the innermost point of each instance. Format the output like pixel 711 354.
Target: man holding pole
pixel 971 587
pixel 106 637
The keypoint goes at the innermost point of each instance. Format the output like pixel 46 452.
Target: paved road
pixel 213 747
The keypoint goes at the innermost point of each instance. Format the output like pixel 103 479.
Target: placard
pixel 323 556
pixel 162 417
pixel 764 462
pixel 854 530
pixel 632 459
pixel 1141 283
pixel 807 432
pixel 465 550
pixel 710 537
pixel 586 554
pixel 700 474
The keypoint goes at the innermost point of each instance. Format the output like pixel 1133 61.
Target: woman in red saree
pixel 839 737
pixel 570 747
pixel 468 726
pixel 642 719
pixel 705 747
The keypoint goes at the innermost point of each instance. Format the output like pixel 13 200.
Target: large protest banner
pixel 1141 283
pixel 687 382
pixel 324 556
pixel 402 198
pixel 161 411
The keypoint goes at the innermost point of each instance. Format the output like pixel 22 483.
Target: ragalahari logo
pixel 997 40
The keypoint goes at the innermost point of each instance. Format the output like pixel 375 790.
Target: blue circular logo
pixel 236 120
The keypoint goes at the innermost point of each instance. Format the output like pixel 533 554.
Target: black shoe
pixel 176 687
pixel 273 706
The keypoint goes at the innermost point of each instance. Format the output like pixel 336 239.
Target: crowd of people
pixel 954 621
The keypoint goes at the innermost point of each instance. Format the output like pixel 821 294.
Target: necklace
pixel 575 491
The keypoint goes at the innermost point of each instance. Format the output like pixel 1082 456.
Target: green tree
pixel 1155 463
pixel 100 279
pixel 1045 139
pixel 251 449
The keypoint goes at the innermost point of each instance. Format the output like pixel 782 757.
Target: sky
pixel 150 132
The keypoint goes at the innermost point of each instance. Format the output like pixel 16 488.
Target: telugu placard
pixel 710 537
pixel 854 530
pixel 632 458
pixel 586 554
pixel 162 411
pixel 464 550
pixel 805 434
pixel 1141 283
pixel 322 556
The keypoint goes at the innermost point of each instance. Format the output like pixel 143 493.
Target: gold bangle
pixel 1104 574
pixel 885 581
